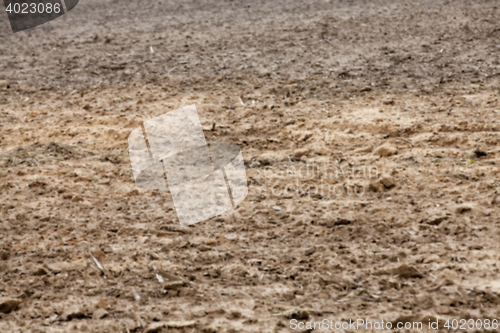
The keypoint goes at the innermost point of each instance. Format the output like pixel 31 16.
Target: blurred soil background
pixel 406 90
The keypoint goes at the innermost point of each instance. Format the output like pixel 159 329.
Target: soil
pixel 370 133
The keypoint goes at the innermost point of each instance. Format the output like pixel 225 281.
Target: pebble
pixel 436 220
pixel 154 327
pixel 102 303
pixel 180 324
pixel 8 305
pixel 385 151
pixel 461 209
pixel 407 272
pixel 296 314
pixel 276 208
pixel 99 313
pixel 5 255
pixel 388 182
pixel 310 251
pixel 301 153
pixel 39 272
pixel 73 313
pixel 99 255
pixel 367 149
pixel 376 186
pixel 173 285
pixel 157 327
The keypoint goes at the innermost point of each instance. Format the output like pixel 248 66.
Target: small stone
pixel 57 267
pixel 255 164
pixel 99 314
pixel 73 313
pixel 234 315
pixel 180 324
pixel 298 314
pixel 388 182
pixel 99 255
pixel 299 153
pixel 385 150
pixel 431 259
pixel 310 251
pixel 8 305
pixel 367 149
pixel 265 161
pixel 87 204
pixel 203 248
pixel 102 304
pixel 39 272
pixel 463 209
pixel 28 293
pixel 407 272
pixel 321 151
pixel 376 186
pixel 155 327
pixel 342 221
pixel 173 285
pixel 494 286
pixel 276 208
pixel 436 220
pixel 5 255
pixel 4 85
pixel 480 153
pixel 264 73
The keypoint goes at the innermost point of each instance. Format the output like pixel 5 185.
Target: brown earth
pixel 370 130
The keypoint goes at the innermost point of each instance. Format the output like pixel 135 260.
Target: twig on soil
pixel 97 263
pixel 158 276
pixel 136 295
pixel 398 138
pixel 323 38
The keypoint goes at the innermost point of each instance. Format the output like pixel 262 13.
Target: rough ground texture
pixel 370 130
